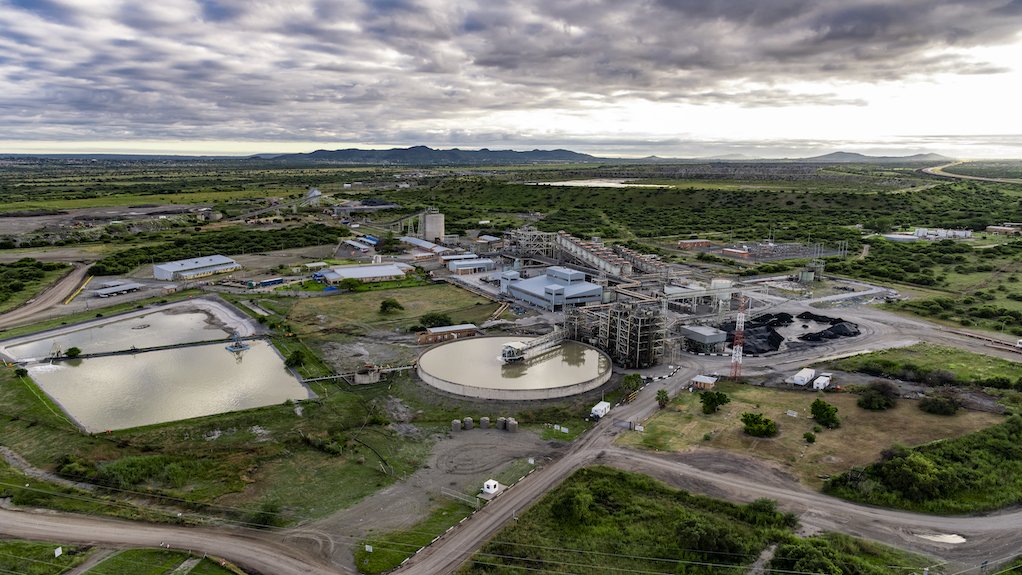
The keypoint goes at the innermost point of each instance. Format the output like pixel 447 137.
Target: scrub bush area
pixel 229 241
pixel 981 471
pixel 606 521
pixel 21 280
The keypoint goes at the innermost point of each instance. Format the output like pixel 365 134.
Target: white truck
pixel 600 409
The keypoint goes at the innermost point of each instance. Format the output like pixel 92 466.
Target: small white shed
pixel 804 376
pixel 490 486
pixel 822 382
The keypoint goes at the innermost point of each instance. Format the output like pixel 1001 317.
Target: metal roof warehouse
pixel 194 268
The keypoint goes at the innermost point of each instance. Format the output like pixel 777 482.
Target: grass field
pixel 860 439
pixel 153 562
pixel 964 365
pixel 390 549
pixel 36 558
pixel 360 312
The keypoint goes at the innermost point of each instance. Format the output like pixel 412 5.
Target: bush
pixel 390 304
pixel 757 425
pixel 295 359
pixel 73 352
pixel 809 436
pixel 435 319
pixel 825 414
pixel 944 404
pixel 879 395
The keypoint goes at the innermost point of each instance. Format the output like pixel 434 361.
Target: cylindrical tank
pixel 501 423
pixel 456 425
pixel 468 423
pixel 484 423
pixel 512 425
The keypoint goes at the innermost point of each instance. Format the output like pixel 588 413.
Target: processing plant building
pixel 556 288
pixel 194 268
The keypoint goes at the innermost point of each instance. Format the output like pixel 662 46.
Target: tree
pixel 825 414
pixel 631 382
pixel 390 304
pixel 73 352
pixel 758 426
pixel 435 319
pixel 662 398
pixel 20 372
pixel 295 359
pixel 712 400
pixel 389 245
pixel 350 284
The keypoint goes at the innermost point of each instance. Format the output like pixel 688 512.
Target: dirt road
pixel 939 171
pixel 53 296
pixel 256 552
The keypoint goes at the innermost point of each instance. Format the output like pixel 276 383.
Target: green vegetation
pixel 390 305
pixel 390 549
pixel 878 396
pixel 837 553
pixel 153 562
pixel 825 414
pixel 940 404
pixel 713 400
pixel 758 426
pixel 662 398
pixel 603 521
pixel 631 382
pixel 36 558
pixel 229 241
pixel 809 436
pixel 977 472
pixel 936 365
pixel 73 352
pixel 987 277
pixel 988 169
pixel 23 279
pixel 435 319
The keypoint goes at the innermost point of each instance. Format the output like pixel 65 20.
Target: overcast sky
pixel 611 77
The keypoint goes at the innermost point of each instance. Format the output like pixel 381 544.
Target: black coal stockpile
pixel 820 318
pixel 842 329
pixel 760 336
pixel 773 320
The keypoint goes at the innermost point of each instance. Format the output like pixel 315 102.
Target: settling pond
pixel 122 391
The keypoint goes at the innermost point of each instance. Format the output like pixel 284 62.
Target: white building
pixel 194 268
pixel 471 266
pixel 804 376
pixel 365 274
pixel 556 288
pixel 822 382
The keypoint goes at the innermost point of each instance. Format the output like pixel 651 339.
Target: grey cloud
pixel 362 69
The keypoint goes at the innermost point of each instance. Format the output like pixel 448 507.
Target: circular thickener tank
pixel 472 367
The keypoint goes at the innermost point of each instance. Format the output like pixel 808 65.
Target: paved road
pixel 54 295
pixel 991 537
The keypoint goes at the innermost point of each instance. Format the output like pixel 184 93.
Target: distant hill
pixel 852 157
pixel 423 155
